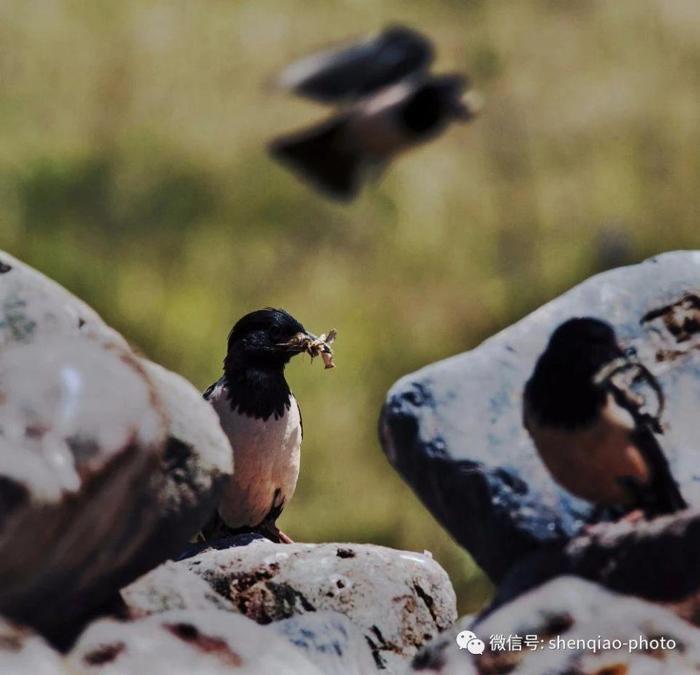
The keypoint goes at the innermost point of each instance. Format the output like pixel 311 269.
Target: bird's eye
pixel 631 352
pixel 276 335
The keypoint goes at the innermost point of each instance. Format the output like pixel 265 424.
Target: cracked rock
pixel 398 599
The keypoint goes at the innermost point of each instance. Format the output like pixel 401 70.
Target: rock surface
pixel 196 459
pixel 32 306
pixel 81 432
pixel 656 560
pixel 572 609
pixel 187 642
pixel 168 587
pixel 329 640
pixel 454 431
pixel 398 599
pixel 108 462
pixel 22 651
pixel 530 636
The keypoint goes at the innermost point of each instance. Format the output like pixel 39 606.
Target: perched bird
pixel 591 428
pixel 262 420
pixel 389 103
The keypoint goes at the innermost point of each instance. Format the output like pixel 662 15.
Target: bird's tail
pixel 661 495
pixel 322 156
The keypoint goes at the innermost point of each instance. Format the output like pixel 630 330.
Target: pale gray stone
pixel 205 642
pixel 329 640
pixel 25 653
pixel 81 433
pixel 398 599
pixel 454 429
pixel 32 306
pixel 171 586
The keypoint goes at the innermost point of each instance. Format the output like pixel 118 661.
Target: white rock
pixel 398 599
pixel 454 428
pixel 197 458
pixel 329 640
pixel 184 643
pixel 569 608
pixel 170 587
pixel 192 420
pixel 32 305
pixel 81 434
pixel 23 652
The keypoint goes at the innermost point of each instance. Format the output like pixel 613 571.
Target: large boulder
pixel 205 642
pixel 108 462
pixel 658 560
pixel 454 429
pixel 564 627
pixel 196 460
pixel 32 306
pixel 398 599
pixel 578 627
pixel 22 651
pixel 81 431
pixel 329 640
pixel 169 587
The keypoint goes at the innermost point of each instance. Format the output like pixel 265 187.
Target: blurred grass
pixel 132 170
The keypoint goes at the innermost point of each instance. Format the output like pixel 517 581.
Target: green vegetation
pixel 133 171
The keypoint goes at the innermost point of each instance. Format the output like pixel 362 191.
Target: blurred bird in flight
pixel 388 102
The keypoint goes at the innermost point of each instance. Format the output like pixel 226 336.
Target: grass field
pixel 133 171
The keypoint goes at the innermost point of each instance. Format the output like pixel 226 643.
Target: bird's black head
pixel 265 339
pixel 562 389
pixel 584 343
pixel 435 102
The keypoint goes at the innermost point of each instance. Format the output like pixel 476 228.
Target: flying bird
pixel 262 420
pixel 592 428
pixel 388 102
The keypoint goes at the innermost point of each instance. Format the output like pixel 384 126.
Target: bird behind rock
pixel 590 427
pixel 262 420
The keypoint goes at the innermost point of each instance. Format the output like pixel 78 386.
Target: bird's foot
pixel 284 539
pixel 633 517
pixel 273 533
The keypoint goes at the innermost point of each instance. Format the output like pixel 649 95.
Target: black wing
pixel 319 155
pixel 360 68
pixel 661 495
pixel 209 390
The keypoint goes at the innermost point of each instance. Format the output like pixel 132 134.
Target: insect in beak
pixel 314 346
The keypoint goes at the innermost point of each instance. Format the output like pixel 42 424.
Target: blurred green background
pixel 133 171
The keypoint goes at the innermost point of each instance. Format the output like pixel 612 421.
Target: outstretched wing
pixel 361 67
